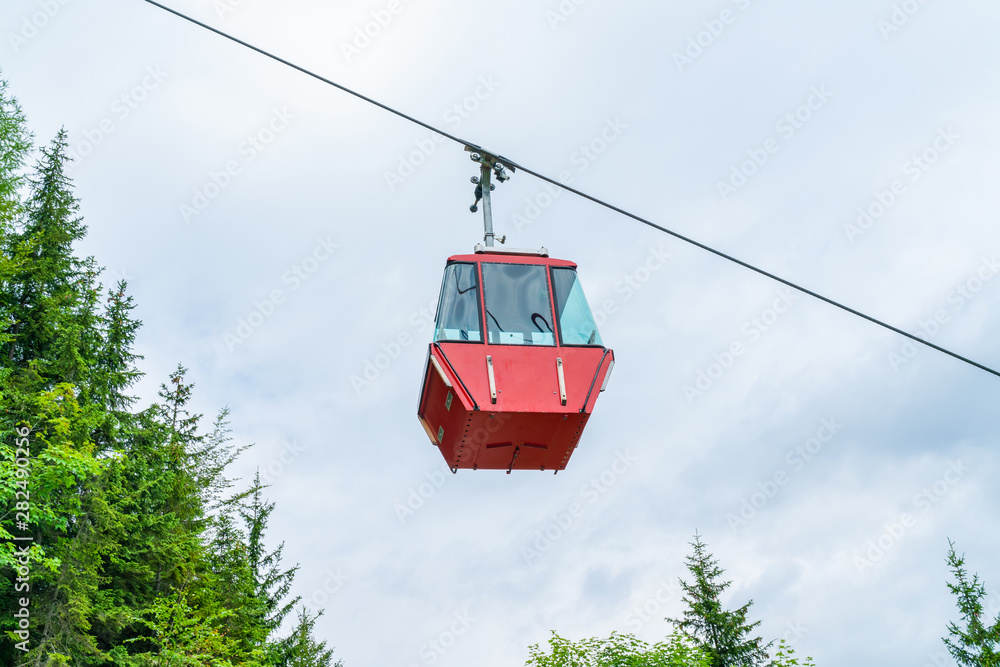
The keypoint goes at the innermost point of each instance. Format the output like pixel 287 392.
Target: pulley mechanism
pixel 489 165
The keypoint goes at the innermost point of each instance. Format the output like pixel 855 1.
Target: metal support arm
pixel 488 165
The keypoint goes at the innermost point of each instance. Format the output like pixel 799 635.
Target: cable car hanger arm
pixel 513 165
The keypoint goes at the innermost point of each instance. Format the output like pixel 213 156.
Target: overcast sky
pixel 283 238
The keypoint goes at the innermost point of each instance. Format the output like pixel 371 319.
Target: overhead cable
pixel 580 193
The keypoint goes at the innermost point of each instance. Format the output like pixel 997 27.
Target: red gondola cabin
pixel 513 374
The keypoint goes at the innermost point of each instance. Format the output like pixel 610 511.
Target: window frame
pixel 551 297
pixel 480 306
pixel 552 283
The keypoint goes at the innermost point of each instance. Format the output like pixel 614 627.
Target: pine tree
pixel 48 303
pixel 977 644
pixel 116 361
pixel 53 294
pixel 724 634
pixel 159 527
pixel 15 145
pixel 272 583
pixel 305 651
pixel 138 555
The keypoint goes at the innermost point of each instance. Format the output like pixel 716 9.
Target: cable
pixel 580 193
pixel 308 73
pixel 760 271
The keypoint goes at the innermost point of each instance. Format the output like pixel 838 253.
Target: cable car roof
pixel 513 256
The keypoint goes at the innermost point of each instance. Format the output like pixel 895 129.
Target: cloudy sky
pixel 285 242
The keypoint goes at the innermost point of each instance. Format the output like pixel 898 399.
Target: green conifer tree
pixel 272 582
pixel 977 642
pixel 305 651
pixel 136 557
pixel 724 634
pixel 53 293
pixel 15 146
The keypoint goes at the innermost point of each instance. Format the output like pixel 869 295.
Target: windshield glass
pixel 518 309
pixel 458 308
pixel 576 323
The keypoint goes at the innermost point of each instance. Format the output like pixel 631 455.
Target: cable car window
pixel 576 323
pixel 458 311
pixel 518 309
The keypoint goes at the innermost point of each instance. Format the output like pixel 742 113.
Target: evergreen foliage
pixel 977 642
pixel 305 650
pixel 724 634
pixel 141 553
pixel 707 636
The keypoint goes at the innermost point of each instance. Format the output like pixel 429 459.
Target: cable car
pixel 516 363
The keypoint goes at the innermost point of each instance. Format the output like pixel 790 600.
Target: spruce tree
pixel 53 294
pixel 272 582
pixel 15 146
pixel 139 554
pixel 724 634
pixel 305 651
pixel 977 643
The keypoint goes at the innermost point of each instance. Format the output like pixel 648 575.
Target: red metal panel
pixel 527 427
pixel 512 259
